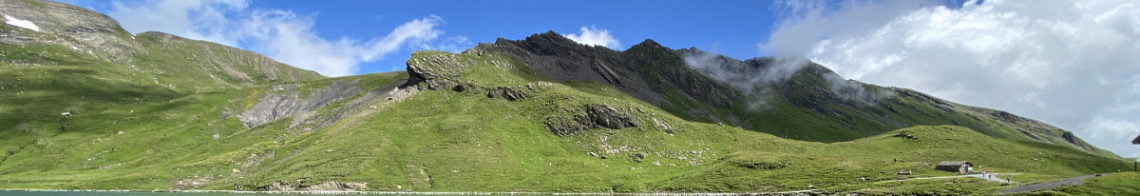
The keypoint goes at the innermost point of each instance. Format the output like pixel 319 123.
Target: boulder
pixel 507 93
pixel 638 157
pixel 563 126
pixel 662 125
pixel 610 117
pixel 596 115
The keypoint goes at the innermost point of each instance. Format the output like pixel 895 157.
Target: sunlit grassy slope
pixel 1124 183
pixel 142 136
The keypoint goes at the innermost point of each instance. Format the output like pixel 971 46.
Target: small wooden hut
pixel 960 167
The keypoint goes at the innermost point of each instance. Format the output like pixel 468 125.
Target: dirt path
pixel 1045 185
pixel 996 177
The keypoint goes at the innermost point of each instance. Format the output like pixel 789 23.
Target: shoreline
pixel 411 193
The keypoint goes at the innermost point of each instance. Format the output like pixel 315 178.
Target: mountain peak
pixel 649 45
pixel 549 37
pixel 649 42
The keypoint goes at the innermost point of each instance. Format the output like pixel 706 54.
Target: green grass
pixel 1123 183
pixel 953 186
pixel 144 136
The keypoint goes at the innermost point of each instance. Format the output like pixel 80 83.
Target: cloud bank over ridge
pixel 1065 62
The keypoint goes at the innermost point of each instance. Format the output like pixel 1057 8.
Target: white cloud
pixel 593 36
pixel 282 35
pixel 194 19
pixel 1066 62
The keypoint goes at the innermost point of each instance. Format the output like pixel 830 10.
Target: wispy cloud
pixel 280 34
pixel 1067 62
pixel 594 37
pixel 803 23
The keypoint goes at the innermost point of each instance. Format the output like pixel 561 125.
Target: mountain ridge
pixel 650 63
pixel 544 115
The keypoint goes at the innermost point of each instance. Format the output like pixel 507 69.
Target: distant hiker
pixel 896 160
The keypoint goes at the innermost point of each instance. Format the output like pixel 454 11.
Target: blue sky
pixel 1028 57
pixel 730 27
pixel 738 26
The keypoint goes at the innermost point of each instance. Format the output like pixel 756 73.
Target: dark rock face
pixel 507 93
pixel 599 115
pixel 1069 137
pixel 670 69
pixel 647 71
pixel 562 59
pixel 610 117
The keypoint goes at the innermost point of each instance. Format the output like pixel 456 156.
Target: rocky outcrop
pixel 610 117
pixel 566 126
pixel 326 186
pixel 507 93
pixel 337 186
pixel 287 101
pixel 437 71
pixel 596 115
pixel 662 125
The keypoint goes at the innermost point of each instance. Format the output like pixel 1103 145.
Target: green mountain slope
pixel 811 103
pixel 83 64
pixel 461 139
pixel 181 114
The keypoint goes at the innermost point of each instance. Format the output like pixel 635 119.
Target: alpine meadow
pixel 86 105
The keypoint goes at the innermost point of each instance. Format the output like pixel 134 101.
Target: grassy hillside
pixel 135 100
pixel 1124 183
pixel 158 112
pixel 196 66
pixel 812 103
pixel 463 140
pixel 106 76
